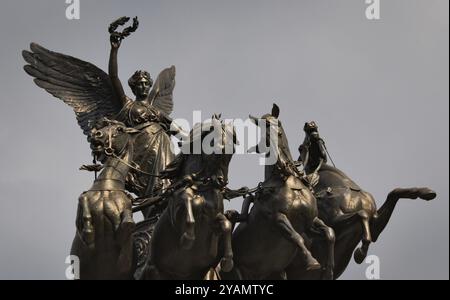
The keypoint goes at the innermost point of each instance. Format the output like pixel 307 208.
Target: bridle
pixel 284 164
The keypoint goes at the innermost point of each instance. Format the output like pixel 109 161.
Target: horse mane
pixel 285 162
pixel 197 134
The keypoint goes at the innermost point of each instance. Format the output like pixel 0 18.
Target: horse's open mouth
pixel 97 147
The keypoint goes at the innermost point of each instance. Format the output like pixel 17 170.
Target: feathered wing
pixel 162 93
pixel 81 85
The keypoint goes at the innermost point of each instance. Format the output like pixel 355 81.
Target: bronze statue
pixel 304 224
pixel 285 209
pixel 93 94
pixel 149 112
pixel 344 206
pixel 104 241
pixel 193 235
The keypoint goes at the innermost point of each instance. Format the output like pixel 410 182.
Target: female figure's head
pixel 141 83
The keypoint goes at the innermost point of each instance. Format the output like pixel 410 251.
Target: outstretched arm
pixel 114 69
pixel 116 38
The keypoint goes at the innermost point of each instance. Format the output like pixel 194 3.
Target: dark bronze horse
pixel 193 235
pixel 104 242
pixel 343 205
pixel 285 210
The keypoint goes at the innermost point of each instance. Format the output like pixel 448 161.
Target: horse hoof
pixel 227 264
pixel 427 194
pixel 359 256
pixel 187 241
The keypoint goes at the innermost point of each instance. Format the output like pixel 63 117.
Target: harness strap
pixel 328 153
pixel 133 167
pixel 108 185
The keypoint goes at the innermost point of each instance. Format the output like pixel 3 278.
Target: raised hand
pixel 116 37
pixel 115 40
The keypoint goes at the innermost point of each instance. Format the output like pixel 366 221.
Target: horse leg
pixel 127 226
pixel 123 223
pixel 126 261
pixel 287 230
pixel 347 239
pixel 235 217
pixel 331 240
pixel 86 222
pixel 245 208
pixel 226 228
pixel 361 253
pixel 188 238
pixel 363 218
pixel 385 212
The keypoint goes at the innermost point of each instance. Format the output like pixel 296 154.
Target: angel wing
pixel 162 93
pixel 81 85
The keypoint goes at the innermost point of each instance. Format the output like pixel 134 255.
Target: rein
pixel 326 150
pixel 189 181
pixel 328 153
pixel 137 169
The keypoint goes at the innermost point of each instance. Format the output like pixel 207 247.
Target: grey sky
pixel 378 90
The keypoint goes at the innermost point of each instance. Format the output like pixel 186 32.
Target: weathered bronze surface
pixel 285 209
pixel 307 219
pixel 93 94
pixel 105 225
pixel 187 239
pixel 344 206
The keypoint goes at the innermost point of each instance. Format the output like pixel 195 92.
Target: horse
pixel 193 235
pixel 104 237
pixel 344 206
pixel 284 210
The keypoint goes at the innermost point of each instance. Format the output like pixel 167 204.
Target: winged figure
pixel 94 94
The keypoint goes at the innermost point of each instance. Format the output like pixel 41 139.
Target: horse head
pixel 211 145
pixel 274 143
pixel 110 138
